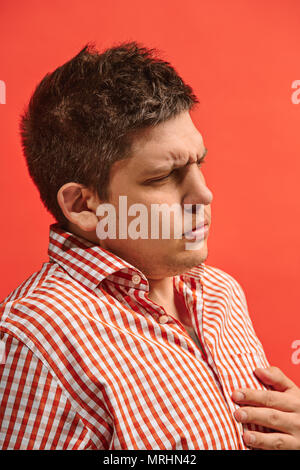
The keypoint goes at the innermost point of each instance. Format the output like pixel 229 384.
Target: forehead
pixel 172 141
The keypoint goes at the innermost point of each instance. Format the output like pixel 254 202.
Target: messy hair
pixel 84 116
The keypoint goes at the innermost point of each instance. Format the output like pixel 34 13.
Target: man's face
pixel 147 178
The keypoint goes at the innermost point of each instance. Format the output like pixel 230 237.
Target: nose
pixel 195 188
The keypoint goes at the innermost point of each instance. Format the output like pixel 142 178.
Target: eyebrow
pixel 165 169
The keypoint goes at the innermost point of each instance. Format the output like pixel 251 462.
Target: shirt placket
pixel 161 316
pixel 195 305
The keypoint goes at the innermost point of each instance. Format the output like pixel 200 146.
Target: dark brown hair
pixel 83 116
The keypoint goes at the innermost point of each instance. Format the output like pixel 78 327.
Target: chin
pixel 199 256
pixel 187 260
pixel 196 257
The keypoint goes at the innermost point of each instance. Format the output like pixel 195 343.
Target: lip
pixel 198 231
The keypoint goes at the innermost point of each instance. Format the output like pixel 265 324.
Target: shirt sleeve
pixel 35 414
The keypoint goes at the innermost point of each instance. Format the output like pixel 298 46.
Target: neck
pixel 161 288
pixel 162 292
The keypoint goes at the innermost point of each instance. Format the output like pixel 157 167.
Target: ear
pixel 79 205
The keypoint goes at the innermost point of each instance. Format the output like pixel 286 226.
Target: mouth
pixel 198 231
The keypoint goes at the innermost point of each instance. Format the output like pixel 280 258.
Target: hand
pixel 277 409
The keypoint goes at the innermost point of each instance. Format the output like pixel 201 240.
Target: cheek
pixel 122 203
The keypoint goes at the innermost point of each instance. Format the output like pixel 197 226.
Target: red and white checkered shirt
pixel 91 362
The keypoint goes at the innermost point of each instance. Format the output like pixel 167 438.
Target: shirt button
pixel 163 319
pixel 136 279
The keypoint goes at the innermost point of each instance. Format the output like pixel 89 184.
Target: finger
pixel 270 441
pixel 266 398
pixel 268 418
pixel 275 377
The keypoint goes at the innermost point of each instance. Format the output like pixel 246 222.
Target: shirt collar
pixel 86 262
pixel 89 264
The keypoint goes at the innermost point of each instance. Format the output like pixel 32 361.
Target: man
pixel 127 342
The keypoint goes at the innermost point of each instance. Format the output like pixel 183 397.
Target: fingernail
pixel 250 439
pixel 239 396
pixel 241 415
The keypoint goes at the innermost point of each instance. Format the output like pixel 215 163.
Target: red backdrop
pixel 241 57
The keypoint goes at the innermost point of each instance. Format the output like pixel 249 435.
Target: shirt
pixel 90 362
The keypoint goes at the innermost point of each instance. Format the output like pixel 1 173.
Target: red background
pixel 241 57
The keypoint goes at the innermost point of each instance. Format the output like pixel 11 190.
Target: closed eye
pixel 165 177
pixel 199 163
